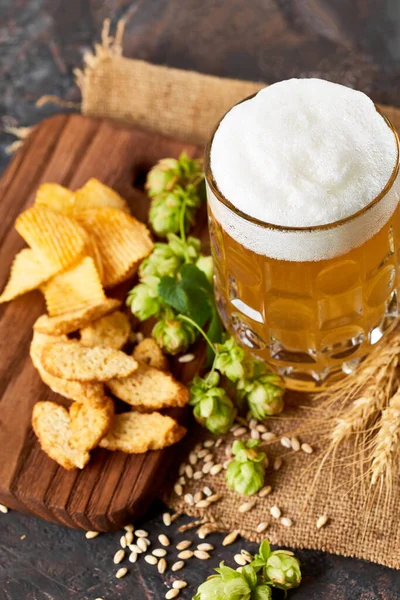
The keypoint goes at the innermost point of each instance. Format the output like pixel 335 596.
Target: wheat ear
pixel 387 441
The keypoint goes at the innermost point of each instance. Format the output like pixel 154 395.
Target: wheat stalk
pixel 387 442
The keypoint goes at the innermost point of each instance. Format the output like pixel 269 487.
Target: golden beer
pixel 311 320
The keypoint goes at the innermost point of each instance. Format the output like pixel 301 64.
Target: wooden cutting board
pixel 114 487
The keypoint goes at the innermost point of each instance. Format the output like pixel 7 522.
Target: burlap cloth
pixel 186 105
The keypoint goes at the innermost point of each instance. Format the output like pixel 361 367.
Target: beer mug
pixel 311 301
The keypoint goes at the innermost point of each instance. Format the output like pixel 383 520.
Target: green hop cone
pixel 164 214
pixel 186 250
pixel 246 472
pixel 144 300
pixel 162 177
pixel 161 262
pixel 282 569
pixel 206 264
pixel 172 334
pixel 227 585
pixel 213 408
pixel 229 359
pixel 263 393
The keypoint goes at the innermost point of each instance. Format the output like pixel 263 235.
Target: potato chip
pixel 56 239
pixel 74 289
pixel 122 240
pixel 55 197
pixel 95 194
pixel 75 362
pixel 52 425
pixel 112 330
pixel 72 321
pixel 90 422
pixel 27 273
pixel 93 251
pixel 135 433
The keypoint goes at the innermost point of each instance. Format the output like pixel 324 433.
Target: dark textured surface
pixel 356 43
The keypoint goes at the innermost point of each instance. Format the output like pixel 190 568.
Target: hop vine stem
pixel 200 330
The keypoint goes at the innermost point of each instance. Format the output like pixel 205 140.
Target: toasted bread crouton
pixel 148 352
pixel 149 389
pixel 112 330
pixel 75 362
pixel 135 432
pixel 51 423
pixel 90 422
pixel 72 321
pixel 74 390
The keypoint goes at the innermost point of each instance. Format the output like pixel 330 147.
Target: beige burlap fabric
pixel 187 105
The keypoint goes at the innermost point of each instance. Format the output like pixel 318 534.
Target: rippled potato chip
pixel 55 197
pixel 122 240
pixel 27 273
pixel 56 239
pixel 72 321
pixel 74 289
pixel 95 194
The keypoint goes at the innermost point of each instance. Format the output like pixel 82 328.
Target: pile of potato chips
pixel 80 243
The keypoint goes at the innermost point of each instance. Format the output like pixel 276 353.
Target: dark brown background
pixel 356 42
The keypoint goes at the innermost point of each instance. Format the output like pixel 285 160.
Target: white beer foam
pixel 301 153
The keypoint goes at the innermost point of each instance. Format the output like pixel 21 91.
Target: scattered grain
pixel 261 527
pixel 226 463
pixel 166 519
pixel 246 555
pixel 178 489
pixel 133 557
pixel 202 504
pixel 239 560
pixel 255 435
pixel 285 442
pixel 307 448
pixel 202 554
pixel 218 442
pixel 135 548
pixel 182 480
pixel 121 572
pixel 129 528
pixel 193 458
pixel 122 541
pixel 295 444
pixel 185 358
pixel 202 453
pixel 164 541
pixel 179 584
pixel 228 451
pixel 188 498
pixel 214 498
pixel 150 559
pixel 141 533
pixel 23 537
pixel 265 491
pixel 239 432
pixel 261 428
pixel 162 565
pixel 278 462
pixel 275 511
pixel 215 469
pixel 286 522
pixel 198 496
pixel 185 554
pixel 182 468
pixel 140 542
pixel 247 506
pixel 253 423
pixel 89 535
pixel 207 491
pixel 205 547
pixel 159 552
pixel 322 521
pixel 119 556
pixel 129 537
pixel 230 538
pixel 268 436
pixel 171 594
pixel 207 467
pixel 198 475
pixel 178 565
pixel 184 544
pixel 208 443
pixel 189 471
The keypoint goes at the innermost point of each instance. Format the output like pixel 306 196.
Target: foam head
pixel 302 153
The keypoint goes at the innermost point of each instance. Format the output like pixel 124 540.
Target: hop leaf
pixel 162 262
pixel 246 472
pixel 229 360
pixel 172 334
pixel 263 393
pixel 213 408
pixel 144 300
pixel 283 570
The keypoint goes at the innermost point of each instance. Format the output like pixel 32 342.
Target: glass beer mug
pixel 311 301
